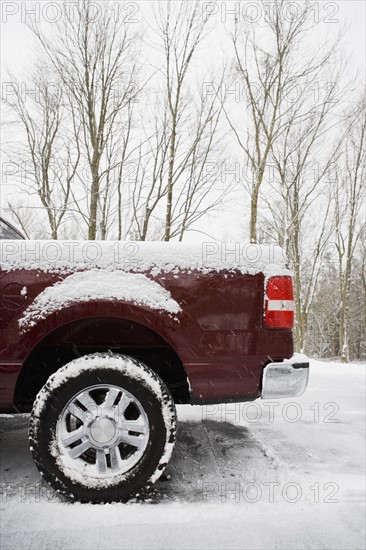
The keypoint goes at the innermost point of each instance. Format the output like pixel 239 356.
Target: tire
pixel 102 428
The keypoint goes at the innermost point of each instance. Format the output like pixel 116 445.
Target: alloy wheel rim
pixel 103 431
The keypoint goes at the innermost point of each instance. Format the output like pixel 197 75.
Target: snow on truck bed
pixel 138 256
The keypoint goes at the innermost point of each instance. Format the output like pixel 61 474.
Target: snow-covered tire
pixel 102 428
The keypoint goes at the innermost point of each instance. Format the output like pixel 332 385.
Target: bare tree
pixel 299 189
pixel 47 160
pixel 201 191
pixel 323 332
pixel 349 213
pixel 92 54
pixel 119 163
pixel 195 183
pixel 148 177
pixel 180 31
pixel 272 66
pixel 360 294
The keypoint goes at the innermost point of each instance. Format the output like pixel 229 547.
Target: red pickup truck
pixel 100 340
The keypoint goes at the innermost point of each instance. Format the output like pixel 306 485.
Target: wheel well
pixel 92 335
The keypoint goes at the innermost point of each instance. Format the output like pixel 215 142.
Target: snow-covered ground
pixel 284 474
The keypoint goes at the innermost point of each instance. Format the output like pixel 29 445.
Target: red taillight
pixel 279 303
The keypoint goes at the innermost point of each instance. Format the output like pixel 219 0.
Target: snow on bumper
pixel 285 379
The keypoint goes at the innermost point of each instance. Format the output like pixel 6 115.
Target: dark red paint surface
pixel 219 337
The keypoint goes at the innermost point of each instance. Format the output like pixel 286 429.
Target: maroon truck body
pixel 100 340
pixel 215 353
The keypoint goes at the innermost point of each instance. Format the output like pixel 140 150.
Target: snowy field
pixel 286 474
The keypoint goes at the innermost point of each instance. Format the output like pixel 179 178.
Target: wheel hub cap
pixel 102 430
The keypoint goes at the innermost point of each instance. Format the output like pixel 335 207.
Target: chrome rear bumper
pixel 286 379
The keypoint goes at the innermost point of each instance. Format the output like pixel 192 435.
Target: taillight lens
pixel 279 303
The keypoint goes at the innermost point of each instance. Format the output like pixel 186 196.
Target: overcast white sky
pixel 17 46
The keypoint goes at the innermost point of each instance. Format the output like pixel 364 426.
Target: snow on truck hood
pixel 137 256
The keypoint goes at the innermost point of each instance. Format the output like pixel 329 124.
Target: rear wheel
pixel 102 427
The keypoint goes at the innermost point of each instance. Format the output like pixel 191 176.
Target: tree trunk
pixel 94 197
pixel 169 205
pixel 253 216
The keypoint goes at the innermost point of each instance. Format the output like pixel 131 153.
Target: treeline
pixel 128 127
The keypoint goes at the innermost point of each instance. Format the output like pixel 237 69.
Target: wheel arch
pixel 100 333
